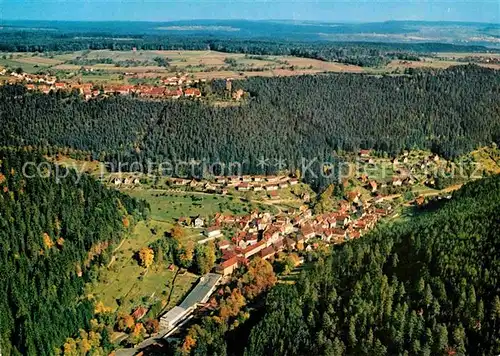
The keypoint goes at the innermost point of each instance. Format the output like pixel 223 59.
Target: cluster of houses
pixel 265 235
pixel 119 181
pixel 405 171
pixel 220 184
pixel 45 84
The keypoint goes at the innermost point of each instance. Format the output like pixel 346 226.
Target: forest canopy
pixel 450 112
pixel 53 233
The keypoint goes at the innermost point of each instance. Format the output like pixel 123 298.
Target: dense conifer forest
pixel 450 112
pixel 429 286
pixel 53 233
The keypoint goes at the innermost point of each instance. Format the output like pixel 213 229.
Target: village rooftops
pixel 338 232
pixel 228 254
pixel 229 263
pixel 213 231
pixel 139 313
pixel 243 186
pixel 267 252
pixel 192 92
pixel 290 243
pixel 307 231
pixel 198 295
pixel 253 249
pixel 224 244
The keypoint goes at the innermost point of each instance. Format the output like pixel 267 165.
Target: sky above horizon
pixel 322 10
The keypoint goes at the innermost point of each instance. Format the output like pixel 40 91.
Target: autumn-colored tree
pixel 152 326
pixel 47 241
pixel 325 200
pixel 137 334
pixel 230 307
pixel 259 278
pixel 190 339
pixel 185 254
pixel 86 343
pixel 146 257
pixel 70 348
pixel 188 343
pixel 125 322
pixel 60 242
pixel 177 232
pixel 100 308
pixel 126 222
pixel 289 261
pixel 210 255
pixel 204 257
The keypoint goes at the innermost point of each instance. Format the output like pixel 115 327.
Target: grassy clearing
pixel 465 55
pixel 427 63
pixel 487 159
pixel 169 206
pixel 41 61
pixel 125 285
pixel 13 64
pixel 205 64
pixel 90 167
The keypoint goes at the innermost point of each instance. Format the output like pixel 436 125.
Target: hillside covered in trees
pixel 450 112
pixel 429 286
pixel 52 235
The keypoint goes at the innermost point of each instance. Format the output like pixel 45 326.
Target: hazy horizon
pixel 250 20
pixel 484 11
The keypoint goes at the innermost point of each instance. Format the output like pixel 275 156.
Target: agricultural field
pixel 424 63
pixel 128 67
pixel 465 55
pixel 143 64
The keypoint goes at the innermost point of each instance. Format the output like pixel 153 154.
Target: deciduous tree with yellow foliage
pixel 146 257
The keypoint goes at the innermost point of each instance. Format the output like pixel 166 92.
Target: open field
pixel 465 55
pixel 426 63
pixel 431 63
pixel 169 206
pixel 15 63
pixel 487 159
pixel 41 61
pixel 125 284
pixel 126 66
pixel 94 168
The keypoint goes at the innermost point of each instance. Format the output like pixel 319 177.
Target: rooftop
pixel 201 291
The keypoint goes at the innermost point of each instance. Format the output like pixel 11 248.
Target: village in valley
pixel 219 228
pixel 278 218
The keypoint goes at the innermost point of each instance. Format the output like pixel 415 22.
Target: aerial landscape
pixel 197 178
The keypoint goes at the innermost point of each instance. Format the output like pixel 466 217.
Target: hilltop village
pixel 173 87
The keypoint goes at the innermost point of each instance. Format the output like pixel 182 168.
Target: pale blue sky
pixel 323 10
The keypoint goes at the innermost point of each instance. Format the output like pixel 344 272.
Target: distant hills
pixel 469 33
